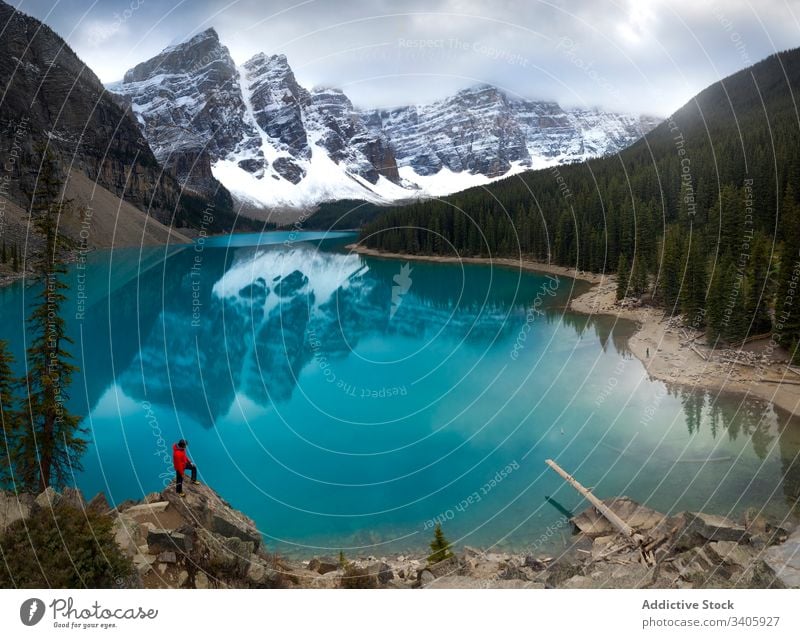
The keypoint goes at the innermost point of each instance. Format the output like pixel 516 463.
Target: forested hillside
pixel 701 214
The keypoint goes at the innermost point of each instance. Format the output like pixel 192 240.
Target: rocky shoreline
pixel 202 542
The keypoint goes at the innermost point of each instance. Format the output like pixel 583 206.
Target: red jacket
pixel 179 458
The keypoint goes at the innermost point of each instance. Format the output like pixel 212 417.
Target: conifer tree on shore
pixel 47 442
pixel 440 546
pixel 623 276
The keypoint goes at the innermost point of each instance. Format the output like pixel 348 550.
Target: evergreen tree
pixel 639 278
pixel 48 445
pixel 787 301
pixel 735 325
pixel 623 277
pixel 440 546
pixel 758 288
pixel 62 547
pixel 716 301
pixel 693 292
pixel 669 278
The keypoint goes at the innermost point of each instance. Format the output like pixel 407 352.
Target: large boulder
pixel 259 573
pixel 160 514
pixel 230 556
pixel 323 565
pixel 784 560
pixel 14 507
pixel 129 535
pixel 610 576
pixel 74 498
pixel 271 574
pixel 447 567
pixel 465 582
pixel 203 508
pixel 381 571
pixel 640 517
pixel 99 504
pixel 165 540
pixel 143 563
pixel 48 499
pixel 691 529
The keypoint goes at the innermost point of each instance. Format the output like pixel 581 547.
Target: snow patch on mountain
pixel 324 180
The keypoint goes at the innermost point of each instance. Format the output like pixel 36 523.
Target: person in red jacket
pixel 182 463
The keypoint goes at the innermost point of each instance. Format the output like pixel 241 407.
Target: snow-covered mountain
pixel 275 144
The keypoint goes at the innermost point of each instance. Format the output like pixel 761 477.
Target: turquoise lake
pixel 348 402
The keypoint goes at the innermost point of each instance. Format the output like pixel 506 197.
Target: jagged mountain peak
pixel 208 34
pixel 273 59
pixel 199 52
pixel 188 103
pixel 483 88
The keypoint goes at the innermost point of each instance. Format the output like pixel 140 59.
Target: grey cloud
pixel 640 55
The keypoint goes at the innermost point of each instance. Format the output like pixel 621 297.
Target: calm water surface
pixel 346 402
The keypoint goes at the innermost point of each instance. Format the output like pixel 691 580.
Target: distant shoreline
pixel 506 262
pixel 675 353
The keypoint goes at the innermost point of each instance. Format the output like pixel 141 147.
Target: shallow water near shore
pixel 350 402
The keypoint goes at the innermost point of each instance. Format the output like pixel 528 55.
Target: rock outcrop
pixel 200 541
pixel 197 541
pixel 14 508
pixel 689 550
pixel 784 560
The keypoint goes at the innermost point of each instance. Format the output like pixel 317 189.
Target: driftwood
pixel 756 337
pixel 711 459
pixel 780 381
pixel 698 353
pixel 739 363
pixel 617 523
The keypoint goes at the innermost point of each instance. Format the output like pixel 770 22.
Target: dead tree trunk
pixel 620 525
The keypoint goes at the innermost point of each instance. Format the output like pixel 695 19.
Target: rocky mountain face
pixel 189 106
pixel 472 131
pixel 50 98
pixel 347 140
pixel 274 143
pixel 277 106
pixel 482 130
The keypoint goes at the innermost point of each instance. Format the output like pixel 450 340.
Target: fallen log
pixel 739 363
pixel 698 353
pixel 617 523
pixel 780 381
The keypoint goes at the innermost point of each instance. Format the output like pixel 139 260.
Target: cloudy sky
pixel 636 55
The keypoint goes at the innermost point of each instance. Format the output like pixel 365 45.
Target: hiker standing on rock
pixel 182 463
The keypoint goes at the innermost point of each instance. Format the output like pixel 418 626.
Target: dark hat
pixel 182 443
